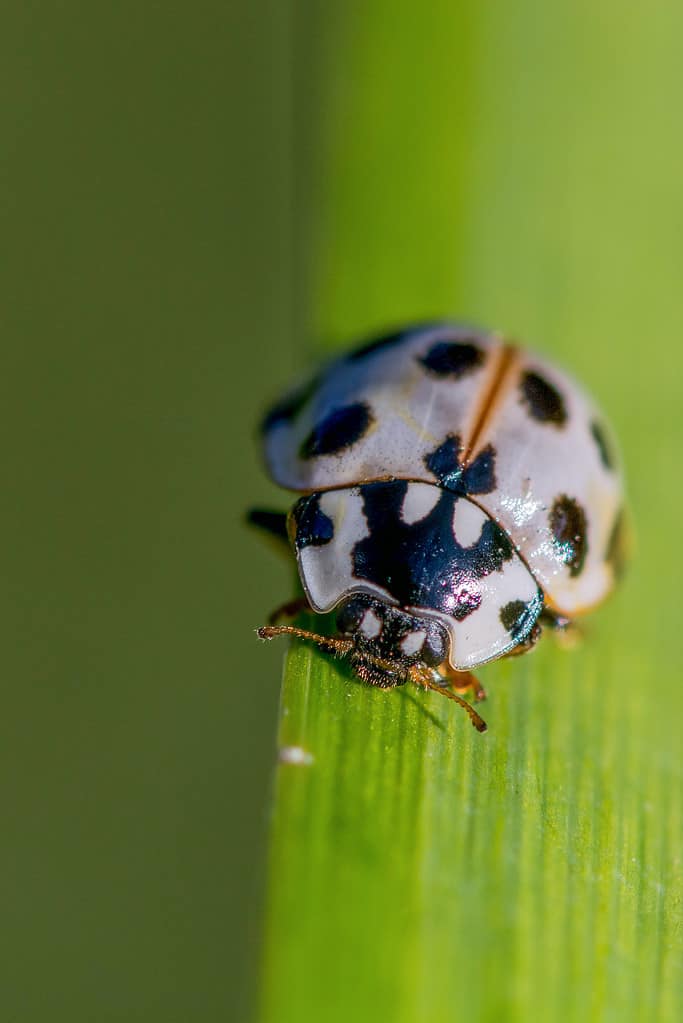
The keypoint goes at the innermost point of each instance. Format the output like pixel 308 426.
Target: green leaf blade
pixel 419 870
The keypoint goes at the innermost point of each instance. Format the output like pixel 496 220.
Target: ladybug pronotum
pixel 459 494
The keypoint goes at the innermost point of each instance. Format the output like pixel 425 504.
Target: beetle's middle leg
pixel 290 609
pixel 567 632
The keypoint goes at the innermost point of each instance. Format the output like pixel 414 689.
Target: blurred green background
pixel 145 196
pixel 191 200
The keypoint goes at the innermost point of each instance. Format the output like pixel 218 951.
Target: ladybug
pixel 459 494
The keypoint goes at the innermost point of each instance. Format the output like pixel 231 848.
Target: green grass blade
pixel 521 166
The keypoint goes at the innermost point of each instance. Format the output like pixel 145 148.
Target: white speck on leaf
pixel 295 755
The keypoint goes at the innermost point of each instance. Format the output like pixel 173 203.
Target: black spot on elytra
pixel 313 527
pixel 511 613
pixel 337 431
pixel 290 406
pixel 616 554
pixel 478 477
pixel 544 402
pixel 568 526
pixel 518 616
pixel 604 447
pixel 421 564
pixel 453 359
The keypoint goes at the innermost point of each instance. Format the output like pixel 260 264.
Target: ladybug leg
pixel 273 523
pixel 425 678
pixel 462 681
pixel 290 609
pixel 568 633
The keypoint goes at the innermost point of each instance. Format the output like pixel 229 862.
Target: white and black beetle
pixel 460 492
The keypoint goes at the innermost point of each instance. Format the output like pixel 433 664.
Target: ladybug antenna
pixel 339 647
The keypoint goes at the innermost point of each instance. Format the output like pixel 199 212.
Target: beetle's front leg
pixel 426 678
pixel 462 681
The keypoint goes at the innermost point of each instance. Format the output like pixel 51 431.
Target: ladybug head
pixel 387 633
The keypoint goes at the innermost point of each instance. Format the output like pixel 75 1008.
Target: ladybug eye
pixel 350 615
pixel 434 648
